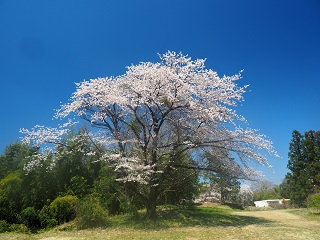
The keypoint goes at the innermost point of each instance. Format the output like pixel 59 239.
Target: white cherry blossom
pixel 158 110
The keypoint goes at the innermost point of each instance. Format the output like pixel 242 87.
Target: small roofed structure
pixel 270 202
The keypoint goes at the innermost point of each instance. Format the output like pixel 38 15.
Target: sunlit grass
pixel 309 214
pixel 201 222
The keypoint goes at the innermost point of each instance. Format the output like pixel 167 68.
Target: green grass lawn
pixel 205 222
pixel 307 214
pixel 171 216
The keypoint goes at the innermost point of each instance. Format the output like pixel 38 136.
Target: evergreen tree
pixel 311 146
pixel 304 164
pixel 284 188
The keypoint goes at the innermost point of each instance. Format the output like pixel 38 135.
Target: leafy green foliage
pixel 76 171
pixel 266 190
pixel 304 164
pixel 4 226
pixel 39 185
pixel 313 201
pixel 18 228
pixel 47 196
pixel 91 213
pixel 10 197
pixel 63 209
pixel 178 185
pixel 47 219
pixel 14 157
pixel 110 192
pixel 29 217
pixel 79 185
pixel 24 196
pixel 222 179
pixel 284 189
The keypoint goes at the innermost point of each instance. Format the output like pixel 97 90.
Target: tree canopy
pixel 156 114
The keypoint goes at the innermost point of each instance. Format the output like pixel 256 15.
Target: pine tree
pixel 304 164
pixel 311 146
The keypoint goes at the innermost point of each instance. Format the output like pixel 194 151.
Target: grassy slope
pixel 210 222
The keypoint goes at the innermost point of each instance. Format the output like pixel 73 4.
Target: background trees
pixel 38 197
pixel 14 157
pixel 154 114
pixel 224 179
pixel 265 189
pixel 12 189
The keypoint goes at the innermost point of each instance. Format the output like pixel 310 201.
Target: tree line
pixel 302 184
pixel 72 182
pixel 77 184
pixel 32 197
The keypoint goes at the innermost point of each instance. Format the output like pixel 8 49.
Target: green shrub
pixel 110 191
pixel 4 226
pixel 29 217
pixel 18 228
pixel 63 209
pixel 313 201
pixel 90 212
pixel 46 218
pixel 79 186
pixel 51 222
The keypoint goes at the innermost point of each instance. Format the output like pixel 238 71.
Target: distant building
pixel 270 202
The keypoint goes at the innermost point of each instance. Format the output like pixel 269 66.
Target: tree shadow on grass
pixel 192 217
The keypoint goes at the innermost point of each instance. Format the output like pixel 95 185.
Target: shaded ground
pixel 196 217
pixel 200 223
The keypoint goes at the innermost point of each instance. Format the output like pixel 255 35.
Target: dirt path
pixel 282 217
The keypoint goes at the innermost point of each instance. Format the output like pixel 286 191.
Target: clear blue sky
pixel 46 46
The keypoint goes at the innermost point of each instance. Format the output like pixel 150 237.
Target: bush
pixel 62 209
pixel 313 201
pixel 90 212
pixel 46 218
pixel 18 228
pixel 4 226
pixel 110 191
pixel 29 217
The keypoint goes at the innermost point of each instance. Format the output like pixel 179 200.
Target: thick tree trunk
pixel 154 181
pixel 152 203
